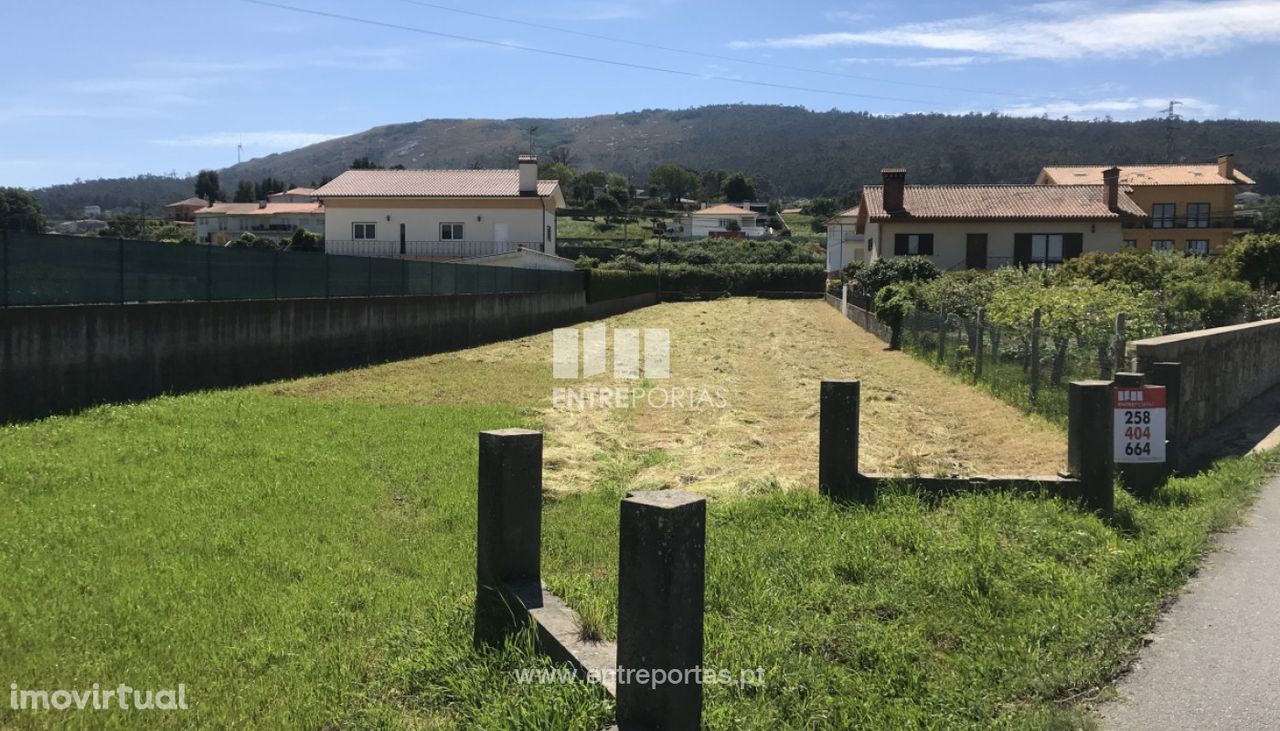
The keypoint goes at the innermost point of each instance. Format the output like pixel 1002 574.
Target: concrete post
pixel 1089 442
pixel 1169 375
pixel 1035 356
pixel 838 441
pixel 1118 363
pixel 979 324
pixel 844 300
pixel 508 526
pixel 942 335
pixel 661 585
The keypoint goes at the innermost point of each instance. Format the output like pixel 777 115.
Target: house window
pixel 724 222
pixel 1046 248
pixel 1197 215
pixel 361 231
pixel 450 232
pixel 1162 215
pixel 1198 247
pixel 913 245
pixel 1162 245
pixel 1130 243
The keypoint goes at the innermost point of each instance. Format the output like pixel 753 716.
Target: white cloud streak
pixel 1119 107
pixel 269 140
pixel 1069 30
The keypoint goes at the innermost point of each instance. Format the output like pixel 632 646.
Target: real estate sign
pixel 1139 423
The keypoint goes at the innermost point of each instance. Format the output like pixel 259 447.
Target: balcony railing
pixel 1191 222
pixel 427 249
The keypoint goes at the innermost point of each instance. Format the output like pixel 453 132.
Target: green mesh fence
pixel 46 269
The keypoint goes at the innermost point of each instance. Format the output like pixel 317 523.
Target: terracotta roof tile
pixel 1175 174
pixel 1012 202
pixel 253 209
pixel 192 202
pixel 429 184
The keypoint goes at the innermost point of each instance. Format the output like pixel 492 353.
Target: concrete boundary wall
pixel 1223 369
pixel 63 358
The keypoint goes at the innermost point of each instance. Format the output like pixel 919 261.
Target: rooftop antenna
pixel 1171 120
pixel 533 130
pixel 239 149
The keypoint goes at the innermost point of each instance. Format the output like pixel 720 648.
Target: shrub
pixel 304 240
pixel 883 272
pixel 894 302
pixel 607 284
pixel 1254 259
pixel 742 279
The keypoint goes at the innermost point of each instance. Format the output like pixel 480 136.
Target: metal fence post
pixel 1035 356
pixel 838 407
pixel 120 265
pixel 508 527
pixel 4 266
pixel 661 601
pixel 1090 458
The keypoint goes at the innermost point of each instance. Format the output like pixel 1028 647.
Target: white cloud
pixel 1070 30
pixel 915 62
pixel 271 140
pixel 1118 107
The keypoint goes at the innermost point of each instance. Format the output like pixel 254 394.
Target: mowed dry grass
pixel 767 358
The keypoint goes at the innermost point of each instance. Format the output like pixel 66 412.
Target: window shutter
pixel 900 245
pixel 1072 246
pixel 926 244
pixel 1022 249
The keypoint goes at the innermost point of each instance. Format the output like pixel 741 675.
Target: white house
pixel 722 220
pixel 441 214
pixel 980 226
pixel 223 222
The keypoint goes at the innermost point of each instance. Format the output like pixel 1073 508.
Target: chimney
pixel 1227 166
pixel 895 180
pixel 528 174
pixel 1111 188
pixel 262 204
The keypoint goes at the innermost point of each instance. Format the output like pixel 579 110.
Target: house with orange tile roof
pixel 1190 207
pixel 980 226
pixel 223 222
pixel 441 215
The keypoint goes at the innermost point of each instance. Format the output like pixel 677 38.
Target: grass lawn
pixel 302 556
pixel 572 228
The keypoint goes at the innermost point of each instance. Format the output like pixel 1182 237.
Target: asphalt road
pixel 1214 662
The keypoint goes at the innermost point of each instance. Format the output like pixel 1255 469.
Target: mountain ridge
pixel 790 151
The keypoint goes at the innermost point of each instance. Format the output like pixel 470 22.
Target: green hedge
pixel 743 279
pixel 611 284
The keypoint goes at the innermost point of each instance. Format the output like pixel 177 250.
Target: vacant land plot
pixel 309 562
pixel 767 358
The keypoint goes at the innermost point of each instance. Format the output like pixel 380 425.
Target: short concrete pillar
pixel 661 583
pixel 508 527
pixel 838 441
pixel 1090 456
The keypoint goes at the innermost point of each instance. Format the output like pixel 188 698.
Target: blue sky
pixel 97 89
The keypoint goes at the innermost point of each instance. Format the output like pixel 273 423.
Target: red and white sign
pixel 1139 423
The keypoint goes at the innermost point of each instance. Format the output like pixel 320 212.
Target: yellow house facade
pixel 1190 207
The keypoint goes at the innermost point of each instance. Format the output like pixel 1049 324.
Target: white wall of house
pixel 701 227
pixel 949 239
pixel 844 243
pixel 480 225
